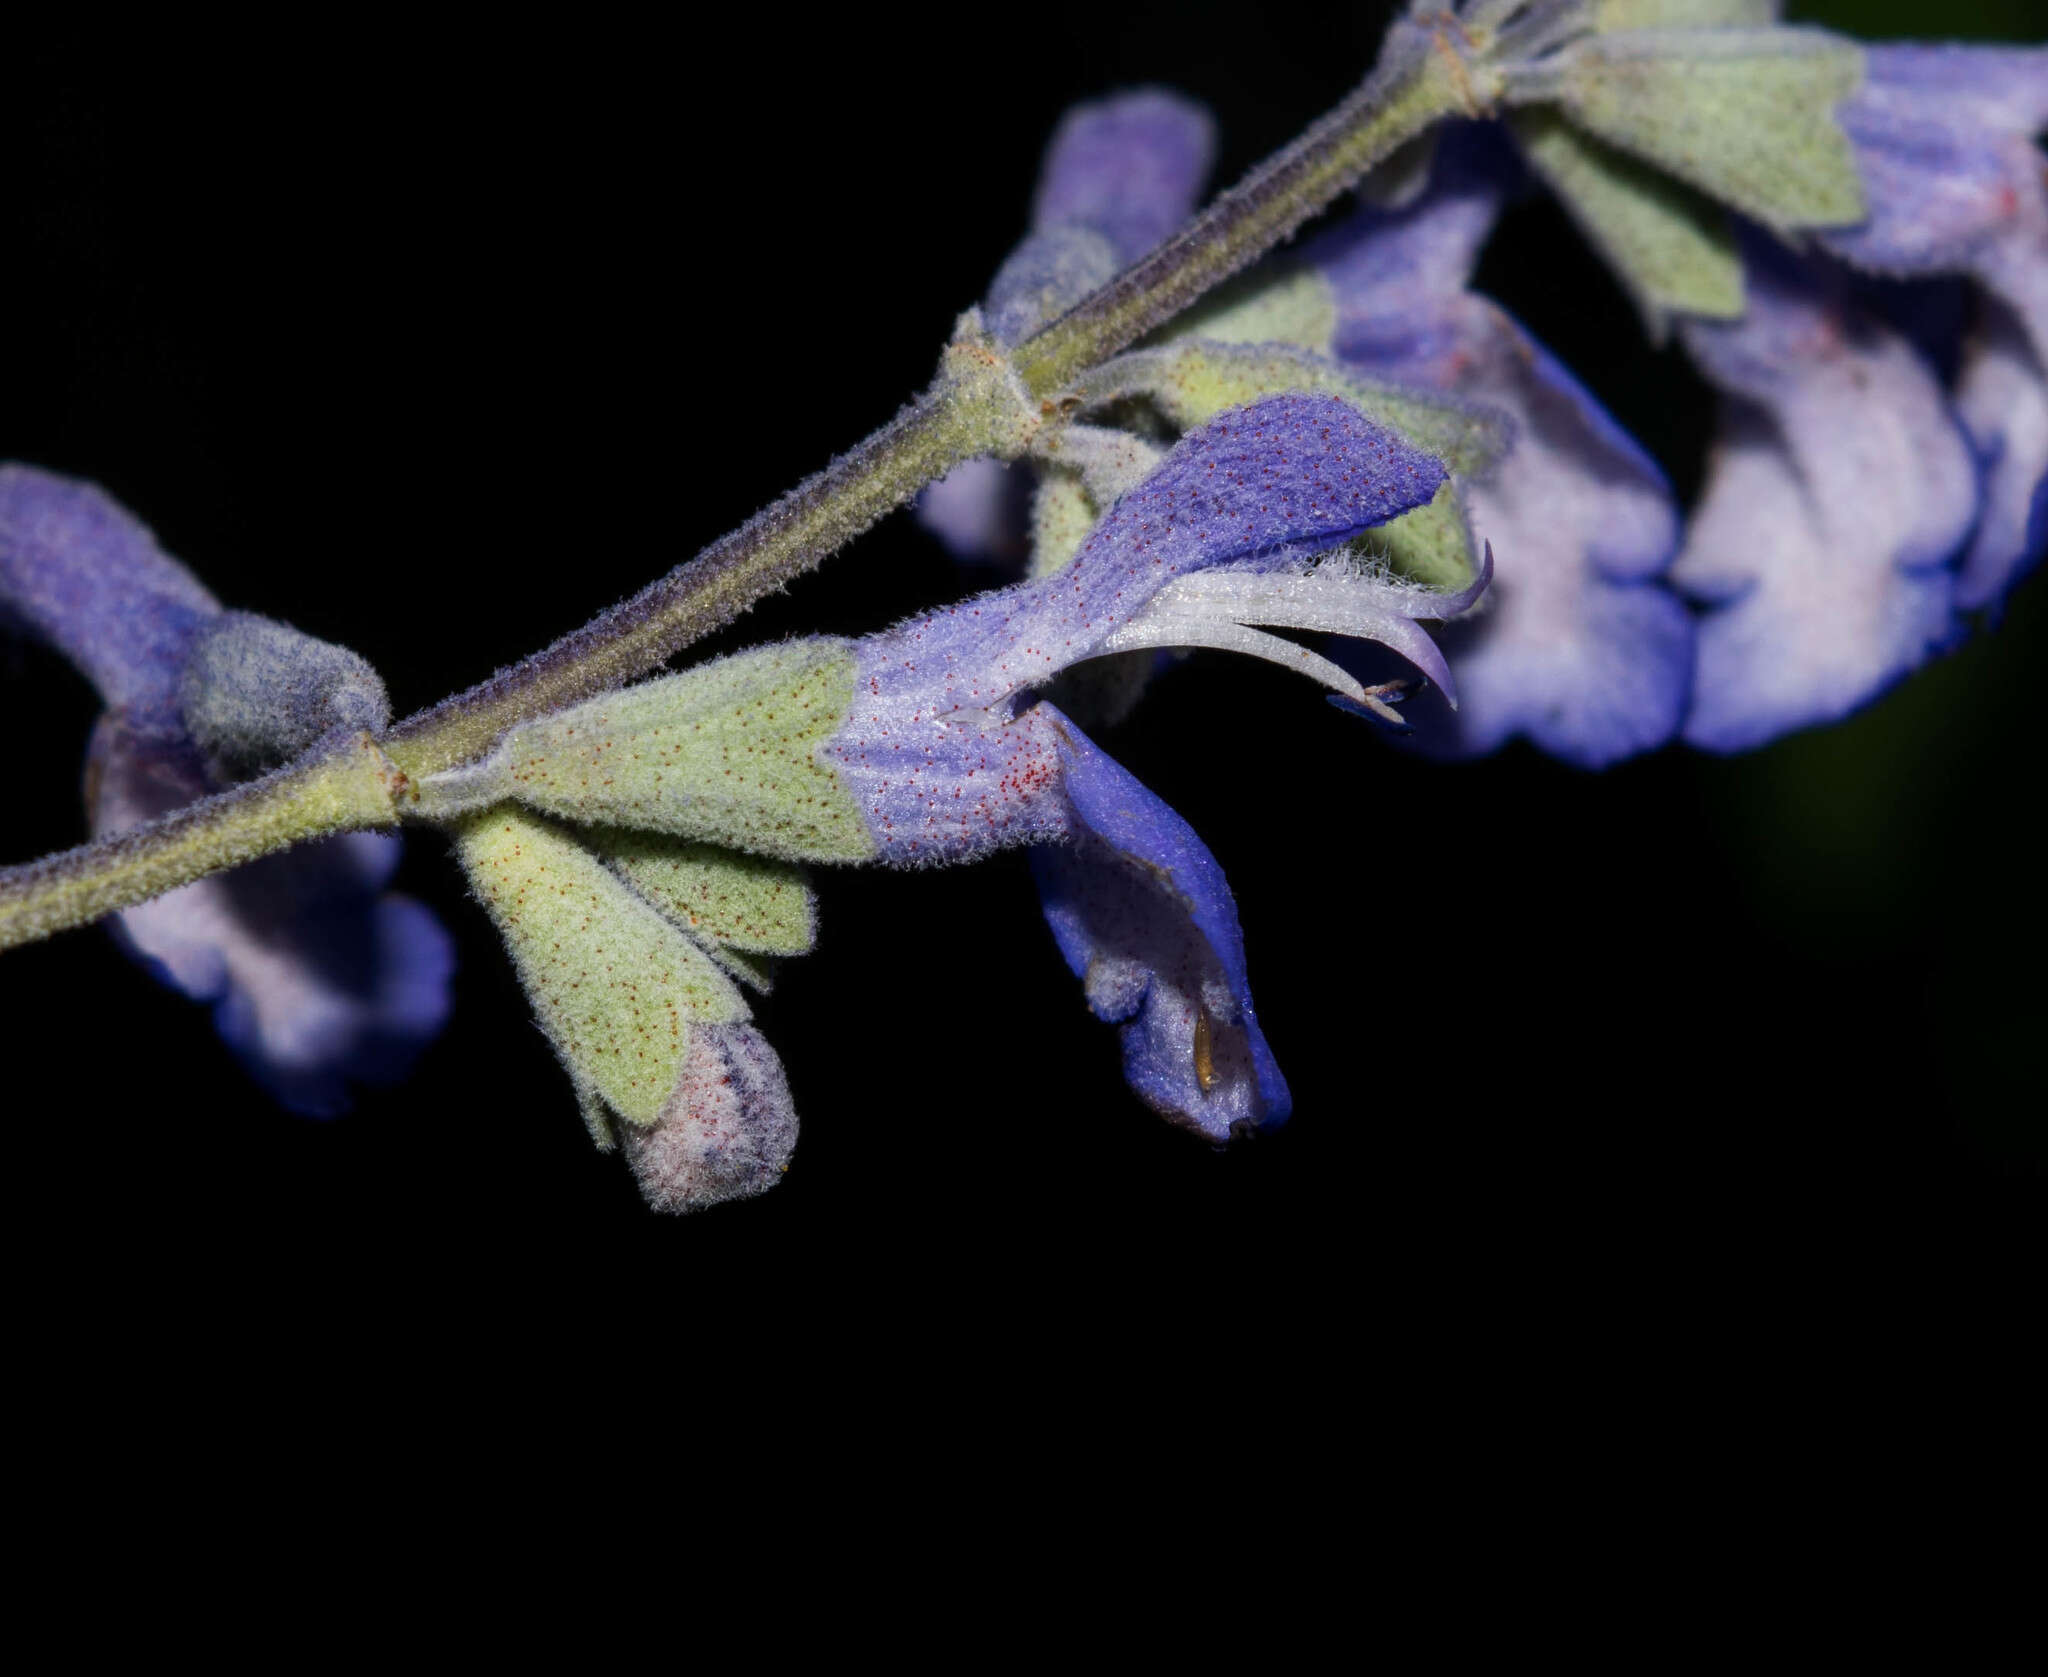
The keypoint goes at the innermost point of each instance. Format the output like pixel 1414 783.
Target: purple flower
pixel 1582 648
pixel 1840 493
pixel 928 744
pixel 948 759
pixel 1943 139
pixel 317 975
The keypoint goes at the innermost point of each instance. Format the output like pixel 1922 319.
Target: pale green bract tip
pixel 1672 248
pixel 1746 115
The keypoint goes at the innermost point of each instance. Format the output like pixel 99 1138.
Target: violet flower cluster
pixel 1349 443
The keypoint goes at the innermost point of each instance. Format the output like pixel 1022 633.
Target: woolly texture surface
pixel 720 897
pixel 617 986
pixel 256 693
pixel 1130 167
pixel 1144 918
pixel 724 752
pixel 1292 304
pixel 729 1132
pixel 1746 115
pixel 1841 491
pixel 1118 176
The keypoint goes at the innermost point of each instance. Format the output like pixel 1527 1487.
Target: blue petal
pixel 1145 919
pixel 1129 168
pixel 81 572
pixel 1841 490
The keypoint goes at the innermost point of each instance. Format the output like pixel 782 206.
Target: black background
pixel 436 342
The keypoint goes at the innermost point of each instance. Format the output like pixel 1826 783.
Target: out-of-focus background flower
pixel 435 355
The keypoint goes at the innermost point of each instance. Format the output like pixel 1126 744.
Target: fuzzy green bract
pixel 740 908
pixel 1671 247
pixel 725 752
pixel 616 984
pixel 1747 115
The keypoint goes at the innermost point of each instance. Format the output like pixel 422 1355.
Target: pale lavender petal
pixel 81 572
pixel 1130 168
pixel 1943 137
pixel 979 511
pixel 317 977
pixel 1578 646
pixel 1841 490
pixel 948 788
pixel 1145 919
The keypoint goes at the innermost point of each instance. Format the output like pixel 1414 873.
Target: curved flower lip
pixel 1142 913
pixel 1842 493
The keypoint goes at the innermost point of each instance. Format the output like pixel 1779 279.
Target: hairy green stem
pixel 341 787
pixel 977 406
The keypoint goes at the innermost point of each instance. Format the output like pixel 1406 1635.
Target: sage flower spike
pixel 927 744
pixel 317 975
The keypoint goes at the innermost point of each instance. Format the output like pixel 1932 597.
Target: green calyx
pixel 1191 381
pixel 615 983
pixel 1745 115
pixel 725 753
